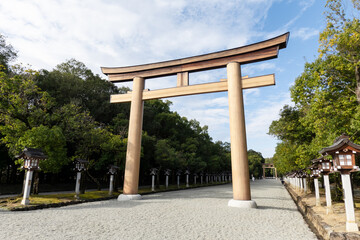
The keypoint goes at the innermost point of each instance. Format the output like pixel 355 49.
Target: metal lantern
pixel 31 157
pixel 153 171
pixel 178 172
pixel 113 169
pixel 343 152
pixel 325 165
pixel 167 172
pixel 81 164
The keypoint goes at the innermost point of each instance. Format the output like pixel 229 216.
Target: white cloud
pixel 122 33
pixel 118 33
pixel 305 33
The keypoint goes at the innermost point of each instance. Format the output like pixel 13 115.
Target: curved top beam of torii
pixel 256 52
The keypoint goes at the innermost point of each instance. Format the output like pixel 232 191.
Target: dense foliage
pixel 66 112
pixel 326 95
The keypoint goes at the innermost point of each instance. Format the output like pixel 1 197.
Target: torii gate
pixel 231 59
pixel 269 165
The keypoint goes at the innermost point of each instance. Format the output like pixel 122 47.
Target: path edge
pixel 321 229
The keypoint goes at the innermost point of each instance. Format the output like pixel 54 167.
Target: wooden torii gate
pixel 268 165
pixel 231 59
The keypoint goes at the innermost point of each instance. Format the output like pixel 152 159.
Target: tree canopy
pixel 66 112
pixel 326 95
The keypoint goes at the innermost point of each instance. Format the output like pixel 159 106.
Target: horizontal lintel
pixel 261 81
pixel 260 55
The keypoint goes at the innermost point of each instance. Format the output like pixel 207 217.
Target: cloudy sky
pixel 114 33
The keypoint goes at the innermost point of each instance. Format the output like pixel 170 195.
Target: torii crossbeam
pixel 231 59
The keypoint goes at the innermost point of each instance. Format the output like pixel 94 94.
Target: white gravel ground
pixel 200 213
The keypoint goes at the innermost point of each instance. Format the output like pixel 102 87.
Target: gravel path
pixel 200 213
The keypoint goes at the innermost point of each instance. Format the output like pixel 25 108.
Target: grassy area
pixel 36 200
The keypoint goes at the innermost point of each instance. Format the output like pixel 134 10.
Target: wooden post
pixel 77 185
pixel 132 165
pixel 111 186
pixel 327 194
pixel 239 159
pixel 29 175
pixel 351 225
pixel 263 173
pixel 317 194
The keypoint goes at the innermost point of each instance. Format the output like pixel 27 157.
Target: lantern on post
pixel 178 174
pixel 153 172
pixel 31 157
pixel 167 174
pixel 343 152
pixel 315 173
pixel 187 173
pixel 80 166
pixel 112 171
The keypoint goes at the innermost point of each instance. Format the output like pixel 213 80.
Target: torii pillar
pixel 132 166
pixel 239 158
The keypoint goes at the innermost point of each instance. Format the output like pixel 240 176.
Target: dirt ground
pixel 336 219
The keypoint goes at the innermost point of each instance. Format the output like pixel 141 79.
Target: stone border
pixel 321 229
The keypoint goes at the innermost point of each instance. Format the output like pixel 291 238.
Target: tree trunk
pixel 35 183
pixel 83 183
pixel 24 181
pixel 357 78
pixel 95 181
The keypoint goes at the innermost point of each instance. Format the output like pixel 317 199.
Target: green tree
pixel 7 54
pixel 23 106
pixel 255 163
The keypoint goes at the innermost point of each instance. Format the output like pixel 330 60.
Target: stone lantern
pixel 187 173
pixel 178 174
pixel 31 157
pixel 153 172
pixel 80 166
pixel 167 174
pixel 315 173
pixel 343 152
pixel 112 172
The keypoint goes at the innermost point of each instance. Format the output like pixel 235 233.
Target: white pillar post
pixel 201 179
pixel 317 194
pixel 187 180
pixel 327 194
pixel 25 200
pixel 77 186
pixel 166 181
pixel 153 183
pixel 194 180
pixel 178 181
pixel 111 187
pixel 305 185
pixel 351 225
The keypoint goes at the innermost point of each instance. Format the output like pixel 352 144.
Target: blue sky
pixel 114 33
